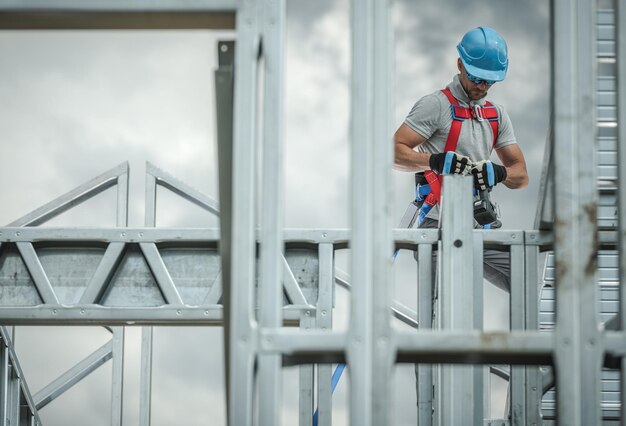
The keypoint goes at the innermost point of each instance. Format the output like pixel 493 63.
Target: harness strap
pixel 459 114
pixel 455 127
pixel 494 124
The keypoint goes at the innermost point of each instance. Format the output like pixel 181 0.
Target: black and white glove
pixel 450 163
pixel 487 175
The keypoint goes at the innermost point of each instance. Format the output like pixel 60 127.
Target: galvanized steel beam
pixel 117 376
pixel 74 375
pixel 271 260
pixel 533 388
pixel 116 15
pixel 145 376
pixel 370 351
pixel 481 372
pixel 158 177
pixel 432 346
pixel 240 332
pixel 74 197
pixel 455 387
pixel 578 343
pixel 517 382
pixel 621 170
pixel 425 293
pixel 147 333
pixel 324 322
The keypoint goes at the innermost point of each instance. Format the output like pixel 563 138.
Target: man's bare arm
pixel 513 159
pixel 405 139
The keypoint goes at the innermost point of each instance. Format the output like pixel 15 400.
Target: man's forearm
pixel 408 160
pixel 516 177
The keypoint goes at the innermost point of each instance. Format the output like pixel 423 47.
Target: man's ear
pixel 459 65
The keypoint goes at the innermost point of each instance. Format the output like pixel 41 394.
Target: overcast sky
pixel 75 104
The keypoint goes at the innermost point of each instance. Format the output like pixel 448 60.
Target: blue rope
pixel 333 384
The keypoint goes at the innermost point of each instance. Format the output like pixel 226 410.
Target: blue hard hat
pixel 484 54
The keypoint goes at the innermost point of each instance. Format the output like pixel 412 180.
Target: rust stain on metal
pixel 560 267
pixel 590 216
pixel 591 210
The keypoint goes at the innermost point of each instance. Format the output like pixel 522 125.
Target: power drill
pixel 484 210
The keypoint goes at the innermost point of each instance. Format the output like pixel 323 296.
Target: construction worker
pixel 454 130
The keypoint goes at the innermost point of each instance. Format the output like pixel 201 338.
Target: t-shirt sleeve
pixel 425 116
pixel 506 136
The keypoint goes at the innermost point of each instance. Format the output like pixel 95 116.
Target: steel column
pixel 425 282
pixel 533 388
pixel 14 408
pixel 271 233
pixel 578 340
pixel 147 333
pixel 324 321
pixel 117 376
pixel 224 118
pixel 621 170
pixel 370 352
pixel 517 379
pixel 306 378
pixel 456 288
pixel 240 335
pixel 145 376
pixel 480 399
pixel 4 382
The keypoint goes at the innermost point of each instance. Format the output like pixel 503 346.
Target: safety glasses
pixel 477 80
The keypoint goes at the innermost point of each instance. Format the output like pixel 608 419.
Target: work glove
pixel 487 175
pixel 450 163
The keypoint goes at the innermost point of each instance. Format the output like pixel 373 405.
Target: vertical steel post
pixel 4 382
pixel 370 353
pixel 621 170
pixel 578 356
pixel 271 266
pixel 117 375
pixel 147 333
pixel 325 322
pixel 14 409
pixel 240 331
pixel 425 281
pixel 306 378
pixel 457 257
pixel 478 284
pixel 533 387
pixel 517 379
pixel 145 376
pixel 224 77
pixel 117 348
pixel 359 354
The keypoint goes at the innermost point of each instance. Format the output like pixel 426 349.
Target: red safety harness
pixel 459 114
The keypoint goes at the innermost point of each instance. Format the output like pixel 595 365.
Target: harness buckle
pixel 478 112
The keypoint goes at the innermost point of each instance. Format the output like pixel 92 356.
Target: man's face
pixel 473 90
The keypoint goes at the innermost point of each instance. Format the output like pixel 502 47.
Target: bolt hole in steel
pixel 458 243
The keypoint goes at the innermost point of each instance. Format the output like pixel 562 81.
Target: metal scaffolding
pixel 272 315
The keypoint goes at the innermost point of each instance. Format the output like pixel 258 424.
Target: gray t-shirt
pixel 431 117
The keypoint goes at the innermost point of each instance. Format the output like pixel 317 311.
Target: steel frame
pixel 371 346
